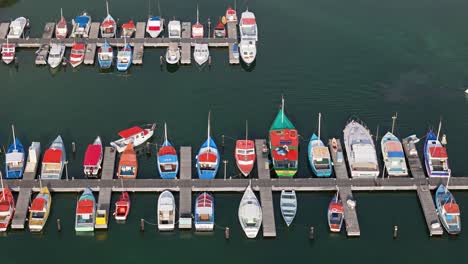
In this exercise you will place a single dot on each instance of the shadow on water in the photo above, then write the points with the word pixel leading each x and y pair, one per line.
pixel 172 67
pixel 7 3
pixel 248 68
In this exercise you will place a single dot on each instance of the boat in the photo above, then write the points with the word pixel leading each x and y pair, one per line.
pixel 54 160
pixel 39 210
pixel 56 55
pixel 201 53
pixel 32 162
pixel 7 207
pixel 435 156
pixel 128 164
pixel 393 156
pixel 77 54
pixel 166 211
pixel 335 214
pixel 154 26
pixel 197 28
pixel 42 53
pixel 8 52
pixel 235 51
pixel 250 213
pixel 231 15
pixel 207 159
pixel 85 212
pixel 219 31
pixel 105 56
pixel 124 58
pixel 248 51
pixel 81 25
pixel 245 154
pixel 319 156
pixel 108 26
pixel 248 26
pixel 61 28
pixel 204 212
pixel 14 159
pixel 173 54
pixel 168 163
pixel 360 150
pixel 448 210
pixel 284 145
pixel 122 207
pixel 93 158
pixel 174 29
pixel 128 29
pixel 17 28
pixel 136 135
pixel 288 205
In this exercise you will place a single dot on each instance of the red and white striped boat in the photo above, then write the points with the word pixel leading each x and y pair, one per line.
pixel 122 207
pixel 7 208
pixel 335 214
pixel 77 54
pixel 245 154
pixel 93 158
pixel 8 52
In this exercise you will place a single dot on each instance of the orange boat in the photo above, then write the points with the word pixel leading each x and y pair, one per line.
pixel 128 164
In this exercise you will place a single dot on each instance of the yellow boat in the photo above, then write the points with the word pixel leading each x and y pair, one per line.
pixel 39 210
pixel 223 20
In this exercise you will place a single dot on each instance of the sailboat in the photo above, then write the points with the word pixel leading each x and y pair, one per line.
pixel 250 213
pixel 39 210
pixel 166 211
pixel 448 209
pixel 168 163
pixel 122 207
pixel 124 58
pixel 288 205
pixel 155 24
pixel 61 28
pixel 204 212
pixel 93 158
pixel 197 28
pixel 284 143
pixel 14 159
pixel 128 164
pixel 335 214
pixel 85 212
pixel 108 26
pixel 7 207
pixel 435 156
pixel 201 53
pixel 245 154
pixel 208 157
pixel 54 160
pixel 105 56
pixel 319 156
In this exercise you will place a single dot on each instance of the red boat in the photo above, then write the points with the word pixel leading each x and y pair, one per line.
pixel 219 31
pixel 245 154
pixel 8 52
pixel 61 29
pixel 122 207
pixel 93 158
pixel 335 214
pixel 231 15
pixel 7 208
pixel 128 29
pixel 77 54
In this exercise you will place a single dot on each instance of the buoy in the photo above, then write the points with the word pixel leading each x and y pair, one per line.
pixel 227 233
pixel 59 226
pixel 142 225
pixel 311 233
pixel 395 231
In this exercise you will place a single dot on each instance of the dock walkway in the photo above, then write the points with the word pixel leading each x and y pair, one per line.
pixel 4 27
pixel 232 34
pixel 185 197
pixel 22 206
pixel 138 48
pixel 105 194
pixel 186 50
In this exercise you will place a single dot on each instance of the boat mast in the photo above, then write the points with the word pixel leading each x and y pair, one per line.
pixel 197 13
pixel 438 131
pixel 393 121
pixel 149 8
pixel 235 5
pixel 319 120
pixel 208 137
pixel 165 133
pixel 14 137
pixel 107 7
pixel 61 13
pixel 282 109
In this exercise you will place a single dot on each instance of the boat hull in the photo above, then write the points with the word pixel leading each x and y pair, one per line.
pixel 319 172
pixel 212 152
pixel 443 196
pixel 204 212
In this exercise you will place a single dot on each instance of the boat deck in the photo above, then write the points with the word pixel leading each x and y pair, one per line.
pixel 232 34
pixel 185 197
pixel 105 194
pixel 186 46
pixel 4 27
pixel 21 211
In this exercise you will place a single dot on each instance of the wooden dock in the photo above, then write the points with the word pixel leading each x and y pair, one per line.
pixel 232 34
pixel 186 46
pixel 185 197
pixel 4 27
pixel 91 47
pixel 49 30
pixel 105 194
pixel 22 206
pixel 138 48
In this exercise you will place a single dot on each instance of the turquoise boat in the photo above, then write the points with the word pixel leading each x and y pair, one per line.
pixel 85 212
pixel 319 156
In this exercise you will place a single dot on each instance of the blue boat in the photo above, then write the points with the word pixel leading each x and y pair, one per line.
pixel 81 26
pixel 208 158
pixel 435 157
pixel 168 163
pixel 448 210
pixel 124 58
pixel 105 56
pixel 204 212
pixel 319 156
pixel 14 159
pixel 235 51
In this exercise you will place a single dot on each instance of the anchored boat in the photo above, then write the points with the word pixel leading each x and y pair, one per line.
pixel 39 210
pixel 85 212
pixel 122 207
pixel 17 28
pixel 219 31
pixel 201 53
pixel 93 158
pixel 61 28
pixel 231 15
pixel 14 159
pixel 81 25
pixel 250 213
pixel 56 55
pixel 204 212
pixel 166 211
pixel 128 164
pixel 393 156
pixel 154 26
pixel 136 135
pixel 319 156
pixel 448 210
pixel 108 26
pixel 105 56
pixel 207 160
pixel 248 26
pixel 435 156
pixel 173 54
pixel 168 163
pixel 124 58
pixel 77 54
pixel 8 52
pixel 335 214
pixel 128 29
pixel 248 51
pixel 245 154
pixel 288 205
pixel 197 28
pixel 284 145
pixel 54 160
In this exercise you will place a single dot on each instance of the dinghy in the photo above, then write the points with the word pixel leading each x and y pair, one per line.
pixel 288 205
pixel 166 211
pixel 122 207
pixel 39 210
pixel 335 214
pixel 93 158
pixel 250 213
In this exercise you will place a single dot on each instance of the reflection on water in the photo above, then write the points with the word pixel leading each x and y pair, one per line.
pixel 7 3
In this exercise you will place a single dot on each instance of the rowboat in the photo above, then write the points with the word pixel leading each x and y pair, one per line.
pixel 39 210
pixel 284 143
pixel 136 135
pixel 77 54
pixel 61 28
pixel 168 163
pixel 85 212
pixel 448 210
pixel 54 160
pixel 393 156
pixel 128 29
pixel 197 28
pixel 93 158
pixel 81 25
pixel 122 207
pixel 124 58
pixel 17 28
pixel 7 208
pixel 154 26
pixel 105 56
pixel 166 211
pixel 32 162
pixel 204 212
pixel 435 156
pixel 288 205
pixel 128 164
pixel 14 159
pixel 108 26
pixel 231 15
pixel 8 52
pixel 245 154
pixel 207 160
pixel 56 55
pixel 201 53
pixel 250 213
pixel 335 214
pixel 319 156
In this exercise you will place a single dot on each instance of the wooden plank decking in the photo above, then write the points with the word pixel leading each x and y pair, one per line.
pixel 21 211
pixel 185 198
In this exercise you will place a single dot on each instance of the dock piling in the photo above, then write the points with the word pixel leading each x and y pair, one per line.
pixel 148 149
pixel 227 233
pixel 395 231
pixel 73 149
pixel 142 225
pixel 311 233
pixel 59 225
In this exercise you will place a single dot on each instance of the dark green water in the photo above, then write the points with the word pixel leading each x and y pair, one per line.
pixel 342 58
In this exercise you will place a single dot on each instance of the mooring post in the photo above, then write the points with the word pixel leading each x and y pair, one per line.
pixel 148 150
pixel 73 149
pixel 225 163
pixel 142 225
pixel 227 233
pixel 395 231
pixel 311 233
pixel 59 226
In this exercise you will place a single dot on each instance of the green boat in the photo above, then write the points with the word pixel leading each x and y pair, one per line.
pixel 284 145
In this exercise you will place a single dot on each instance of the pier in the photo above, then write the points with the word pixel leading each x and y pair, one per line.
pixel 185 198
pixel 105 194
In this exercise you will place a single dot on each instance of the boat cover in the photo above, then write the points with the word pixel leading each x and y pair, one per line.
pixel 364 153
pixel 320 152
pixel 129 25
pixel 207 157
pixel 78 46
pixel 38 204
pixel 395 154
pixel 4 206
pixel 167 150
pixel 108 24
pixel 248 21
pixel 451 208
pixel 14 157
pixel 155 18
pixel 438 152
pixel 52 156
pixel 92 155
pixel 82 21
pixel 393 146
pixel 85 207
pixel 131 132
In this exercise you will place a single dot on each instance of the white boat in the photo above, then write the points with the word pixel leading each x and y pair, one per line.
pixel 108 26
pixel 201 53
pixel 360 149
pixel 81 26
pixel 197 28
pixel 136 135
pixel 166 211
pixel 17 28
pixel 175 29
pixel 56 55
pixel 33 158
pixel 8 52
pixel 154 26
pixel 248 51
pixel 248 26
pixel 173 54
pixel 288 205
pixel 204 212
pixel 250 213
pixel 54 160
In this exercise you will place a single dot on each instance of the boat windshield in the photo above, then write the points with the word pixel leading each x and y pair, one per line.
pixel 285 164
pixel 249 30
pixel 173 33
pixel 322 164
pixel 439 165
pixel 127 170
pixel 336 218
pixel 84 219
pixel 38 215
pixel 15 165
